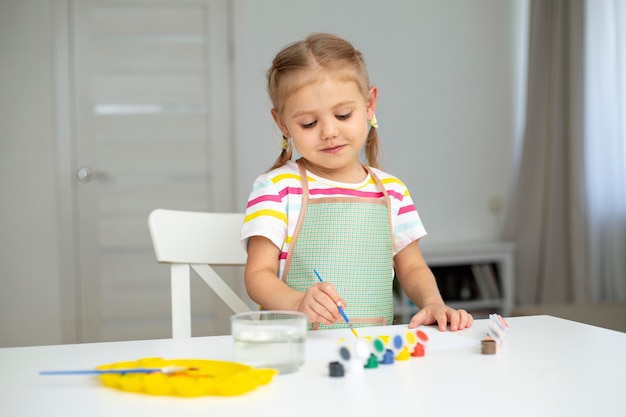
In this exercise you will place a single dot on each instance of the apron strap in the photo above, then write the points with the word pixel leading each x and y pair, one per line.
pixel 305 200
pixel 387 199
pixel 375 321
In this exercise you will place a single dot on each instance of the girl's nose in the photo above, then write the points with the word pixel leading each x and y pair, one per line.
pixel 329 130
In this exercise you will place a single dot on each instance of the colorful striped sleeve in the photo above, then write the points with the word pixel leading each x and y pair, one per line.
pixel 407 225
pixel 266 212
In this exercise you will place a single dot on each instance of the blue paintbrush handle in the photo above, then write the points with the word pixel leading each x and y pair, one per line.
pixel 343 314
pixel 114 371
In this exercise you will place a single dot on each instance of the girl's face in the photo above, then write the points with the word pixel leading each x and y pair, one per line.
pixel 328 124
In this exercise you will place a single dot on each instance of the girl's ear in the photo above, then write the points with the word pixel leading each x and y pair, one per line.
pixel 279 122
pixel 370 104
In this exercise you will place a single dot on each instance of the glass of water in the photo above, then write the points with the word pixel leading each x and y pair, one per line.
pixel 270 339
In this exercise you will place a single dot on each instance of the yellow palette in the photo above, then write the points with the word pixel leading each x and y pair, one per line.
pixel 204 377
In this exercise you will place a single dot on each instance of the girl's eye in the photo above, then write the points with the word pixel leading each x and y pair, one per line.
pixel 343 116
pixel 309 125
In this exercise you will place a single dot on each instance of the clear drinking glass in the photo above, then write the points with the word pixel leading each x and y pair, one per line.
pixel 270 339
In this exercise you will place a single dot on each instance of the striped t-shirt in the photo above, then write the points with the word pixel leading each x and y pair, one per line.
pixel 276 199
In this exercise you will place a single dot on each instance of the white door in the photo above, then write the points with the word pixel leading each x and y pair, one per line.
pixel 151 130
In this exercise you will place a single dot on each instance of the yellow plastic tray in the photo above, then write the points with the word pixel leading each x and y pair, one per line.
pixel 206 378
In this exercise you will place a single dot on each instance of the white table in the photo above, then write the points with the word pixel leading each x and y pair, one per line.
pixel 546 367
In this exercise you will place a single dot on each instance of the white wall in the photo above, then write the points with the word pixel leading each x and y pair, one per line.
pixel 449 75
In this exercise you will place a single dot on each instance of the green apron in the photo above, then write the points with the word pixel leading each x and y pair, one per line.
pixel 348 240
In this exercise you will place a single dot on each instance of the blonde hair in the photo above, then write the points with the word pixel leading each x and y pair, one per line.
pixel 300 63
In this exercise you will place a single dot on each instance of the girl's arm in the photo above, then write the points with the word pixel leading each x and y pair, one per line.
pixel 319 302
pixel 418 282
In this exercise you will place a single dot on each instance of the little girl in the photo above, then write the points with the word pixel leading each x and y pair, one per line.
pixel 327 212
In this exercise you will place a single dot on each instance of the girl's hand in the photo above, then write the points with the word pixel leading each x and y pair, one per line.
pixel 442 315
pixel 320 303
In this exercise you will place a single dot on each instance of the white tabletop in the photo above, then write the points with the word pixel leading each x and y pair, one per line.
pixel 546 367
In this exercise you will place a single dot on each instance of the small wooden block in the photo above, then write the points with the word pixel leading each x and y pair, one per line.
pixel 488 346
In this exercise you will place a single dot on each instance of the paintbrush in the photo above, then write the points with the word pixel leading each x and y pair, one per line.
pixel 343 314
pixel 164 370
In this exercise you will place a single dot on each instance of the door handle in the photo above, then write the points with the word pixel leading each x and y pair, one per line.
pixel 87 174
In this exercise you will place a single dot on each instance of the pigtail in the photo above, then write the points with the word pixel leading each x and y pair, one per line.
pixel 284 157
pixel 372 145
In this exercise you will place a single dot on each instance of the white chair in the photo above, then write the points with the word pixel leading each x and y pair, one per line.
pixel 196 241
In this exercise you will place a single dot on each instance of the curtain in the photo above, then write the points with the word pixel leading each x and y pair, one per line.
pixel 546 201
pixel 569 248
pixel 605 147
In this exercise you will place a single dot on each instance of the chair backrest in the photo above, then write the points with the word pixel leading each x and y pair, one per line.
pixel 195 241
